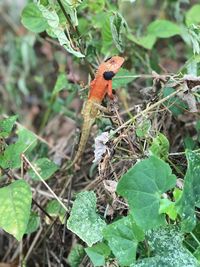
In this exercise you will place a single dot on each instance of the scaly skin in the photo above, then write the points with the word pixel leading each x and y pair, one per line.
pixel 99 87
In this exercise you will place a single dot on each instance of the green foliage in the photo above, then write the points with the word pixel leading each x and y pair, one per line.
pixel 118 28
pixel 54 209
pixel 76 255
pixel 98 254
pixel 192 15
pixel 143 186
pixel 160 146
pixel 143 128
pixel 33 223
pixel 15 205
pixel 174 104
pixel 45 167
pixel 84 221
pixel 123 237
pixel 6 126
pixel 163 29
pixel 168 250
pixel 33 19
pixel 191 192
pixel 122 78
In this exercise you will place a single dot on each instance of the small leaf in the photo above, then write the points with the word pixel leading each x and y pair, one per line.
pixel 61 83
pixel 84 221
pixel 6 126
pixel 33 223
pixel 174 104
pixel 160 146
pixel 15 205
pixel 143 128
pixel 45 167
pixel 54 209
pixel 168 207
pixel 118 27
pixel 146 41
pixel 122 78
pixel 123 236
pixel 32 18
pixel 98 254
pixel 143 186
pixel 192 15
pixel 191 192
pixel 163 28
pixel 76 255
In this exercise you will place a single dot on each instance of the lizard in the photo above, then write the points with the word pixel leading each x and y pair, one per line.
pixel 99 88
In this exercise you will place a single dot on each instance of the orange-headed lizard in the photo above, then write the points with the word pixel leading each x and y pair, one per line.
pixel 99 88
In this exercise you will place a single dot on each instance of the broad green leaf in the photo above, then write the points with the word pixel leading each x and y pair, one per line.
pixel 191 192
pixel 143 128
pixel 33 223
pixel 33 19
pixel 61 83
pixel 146 41
pixel 192 15
pixel 45 167
pixel 160 146
pixel 122 78
pixel 143 186
pixel 15 205
pixel 163 28
pixel 55 209
pixel 166 244
pixel 118 27
pixel 98 254
pixel 76 255
pixel 123 236
pixel 84 221
pixel 174 104
pixel 6 126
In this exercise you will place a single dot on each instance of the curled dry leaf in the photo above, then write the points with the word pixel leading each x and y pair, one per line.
pixel 100 146
pixel 110 186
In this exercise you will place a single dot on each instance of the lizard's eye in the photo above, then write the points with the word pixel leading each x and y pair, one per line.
pixel 107 59
pixel 108 75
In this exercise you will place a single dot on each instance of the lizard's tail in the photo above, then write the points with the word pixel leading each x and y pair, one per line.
pixel 83 141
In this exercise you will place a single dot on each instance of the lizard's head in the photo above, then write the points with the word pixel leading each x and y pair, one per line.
pixel 111 66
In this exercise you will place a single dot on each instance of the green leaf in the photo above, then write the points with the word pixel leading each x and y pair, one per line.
pixel 45 167
pixel 166 243
pixel 55 209
pixel 118 27
pixel 146 41
pixel 52 19
pixel 174 104
pixel 168 207
pixel 191 192
pixel 6 126
pixel 192 15
pixel 61 83
pixel 33 19
pixel 33 223
pixel 163 28
pixel 15 205
pixel 76 255
pixel 122 78
pixel 98 254
pixel 84 221
pixel 123 236
pixel 143 128
pixel 160 146
pixel 143 186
